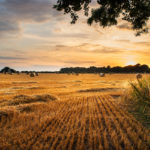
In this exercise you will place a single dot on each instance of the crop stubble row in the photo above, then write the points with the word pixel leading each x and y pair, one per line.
pixel 94 122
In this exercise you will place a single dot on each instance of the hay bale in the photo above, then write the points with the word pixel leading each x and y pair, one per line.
pixel 18 72
pixel 32 74
pixel 36 73
pixel 138 76
pixel 102 74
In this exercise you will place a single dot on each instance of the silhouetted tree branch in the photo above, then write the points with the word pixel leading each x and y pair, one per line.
pixel 136 12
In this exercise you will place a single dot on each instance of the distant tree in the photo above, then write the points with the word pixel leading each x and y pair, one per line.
pixel 136 12
pixel 7 69
pixel 144 68
pixel 108 68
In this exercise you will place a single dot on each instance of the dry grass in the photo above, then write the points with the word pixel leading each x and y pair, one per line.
pixel 65 118
pixel 24 99
pixel 137 99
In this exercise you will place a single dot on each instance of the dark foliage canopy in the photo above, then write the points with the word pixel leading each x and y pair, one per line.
pixel 136 12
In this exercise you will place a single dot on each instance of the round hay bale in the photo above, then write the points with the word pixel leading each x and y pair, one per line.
pixel 32 74
pixel 102 74
pixel 36 74
pixel 18 72
pixel 138 76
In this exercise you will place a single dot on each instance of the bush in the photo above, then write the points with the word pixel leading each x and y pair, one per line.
pixel 137 99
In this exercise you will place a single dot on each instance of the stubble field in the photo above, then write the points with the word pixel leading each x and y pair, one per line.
pixel 61 111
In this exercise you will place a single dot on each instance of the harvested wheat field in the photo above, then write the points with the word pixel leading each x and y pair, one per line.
pixel 61 111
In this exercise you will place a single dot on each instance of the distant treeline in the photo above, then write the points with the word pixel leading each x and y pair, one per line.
pixel 117 69
pixel 39 71
pixel 138 68
pixel 10 70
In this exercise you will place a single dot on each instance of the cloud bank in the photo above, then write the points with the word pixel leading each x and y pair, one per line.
pixel 15 12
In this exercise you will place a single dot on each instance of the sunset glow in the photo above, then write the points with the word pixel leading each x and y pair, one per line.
pixel 130 63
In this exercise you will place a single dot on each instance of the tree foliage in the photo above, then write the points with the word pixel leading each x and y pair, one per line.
pixel 7 69
pixel 136 12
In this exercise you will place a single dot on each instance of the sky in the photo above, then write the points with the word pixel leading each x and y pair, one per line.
pixel 34 36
